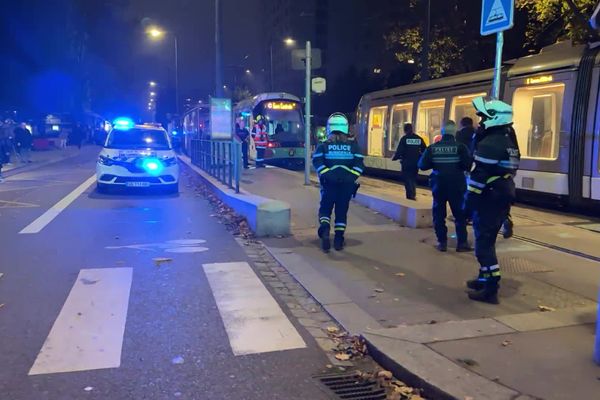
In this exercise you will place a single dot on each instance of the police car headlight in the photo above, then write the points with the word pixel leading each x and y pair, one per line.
pixel 105 161
pixel 170 161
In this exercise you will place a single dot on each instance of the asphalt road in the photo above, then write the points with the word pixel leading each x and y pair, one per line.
pixel 87 313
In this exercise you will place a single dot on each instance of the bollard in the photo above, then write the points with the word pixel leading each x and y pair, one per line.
pixel 597 345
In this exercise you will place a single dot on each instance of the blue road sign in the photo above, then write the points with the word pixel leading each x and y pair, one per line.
pixel 497 16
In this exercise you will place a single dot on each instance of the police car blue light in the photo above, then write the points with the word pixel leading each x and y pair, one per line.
pixel 152 166
pixel 123 123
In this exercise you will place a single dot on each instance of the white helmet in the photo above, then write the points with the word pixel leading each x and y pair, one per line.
pixel 493 112
pixel 337 123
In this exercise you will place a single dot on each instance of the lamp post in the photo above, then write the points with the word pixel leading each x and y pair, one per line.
pixel 289 42
pixel 425 52
pixel 155 33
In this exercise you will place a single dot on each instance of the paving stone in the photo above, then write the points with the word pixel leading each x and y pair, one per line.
pixel 317 332
pixel 326 344
pixel 299 313
pixel 277 284
pixel 309 322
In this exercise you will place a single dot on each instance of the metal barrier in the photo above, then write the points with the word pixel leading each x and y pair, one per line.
pixel 221 159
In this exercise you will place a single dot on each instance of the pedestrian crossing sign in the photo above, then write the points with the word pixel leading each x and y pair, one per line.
pixel 497 16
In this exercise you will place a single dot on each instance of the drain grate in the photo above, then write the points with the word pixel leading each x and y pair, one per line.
pixel 517 265
pixel 352 386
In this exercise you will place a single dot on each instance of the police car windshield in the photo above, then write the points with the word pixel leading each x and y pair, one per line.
pixel 135 138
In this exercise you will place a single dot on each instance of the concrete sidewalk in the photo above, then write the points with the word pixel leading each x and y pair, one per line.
pixel 408 300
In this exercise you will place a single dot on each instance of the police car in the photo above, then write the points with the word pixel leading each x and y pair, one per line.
pixel 137 156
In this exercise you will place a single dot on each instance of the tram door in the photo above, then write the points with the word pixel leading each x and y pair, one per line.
pixel 377 118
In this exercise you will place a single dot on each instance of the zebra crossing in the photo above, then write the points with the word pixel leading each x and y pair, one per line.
pixel 89 331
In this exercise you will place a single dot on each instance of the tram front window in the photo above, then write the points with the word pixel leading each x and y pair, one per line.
pixel 284 125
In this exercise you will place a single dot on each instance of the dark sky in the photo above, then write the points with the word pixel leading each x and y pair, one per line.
pixel 193 23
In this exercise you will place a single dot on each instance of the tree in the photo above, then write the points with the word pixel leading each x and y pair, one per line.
pixel 553 20
pixel 455 44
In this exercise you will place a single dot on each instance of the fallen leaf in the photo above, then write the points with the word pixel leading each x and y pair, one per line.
pixel 396 299
pixel 329 366
pixel 469 398
pixel 432 322
pixel 86 281
pixel 333 329
pixel 177 360
pixel 546 309
pixel 416 397
pixel 400 274
pixel 342 356
pixel 506 343
pixel 385 375
pixel 1 274
pixel 1 305
pixel 88 388
pixel 379 290
pixel 161 260
pixel 468 362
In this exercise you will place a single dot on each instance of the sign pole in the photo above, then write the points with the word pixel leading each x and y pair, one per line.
pixel 307 116
pixel 498 65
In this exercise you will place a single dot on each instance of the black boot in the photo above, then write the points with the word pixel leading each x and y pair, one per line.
pixel 323 233
pixel 463 247
pixel 338 241
pixel 476 284
pixel 443 247
pixel 488 294
pixel 507 228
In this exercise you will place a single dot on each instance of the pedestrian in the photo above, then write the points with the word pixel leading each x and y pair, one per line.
pixel 23 141
pixel 491 191
pixel 449 161
pixel 339 163
pixel 466 132
pixel 409 150
pixel 261 141
pixel 77 135
pixel 243 135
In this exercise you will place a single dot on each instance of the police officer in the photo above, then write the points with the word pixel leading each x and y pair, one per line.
pixel 491 191
pixel 261 141
pixel 339 163
pixel 449 161
pixel 409 151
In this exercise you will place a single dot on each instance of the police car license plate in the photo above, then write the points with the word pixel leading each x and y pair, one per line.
pixel 137 184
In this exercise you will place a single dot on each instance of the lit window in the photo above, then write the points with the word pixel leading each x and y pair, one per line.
pixel 377 117
pixel 401 114
pixel 537 117
pixel 430 119
pixel 462 106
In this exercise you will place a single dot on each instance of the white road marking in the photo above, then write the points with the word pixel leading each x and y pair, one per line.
pixel 180 246
pixel 253 320
pixel 88 333
pixel 40 223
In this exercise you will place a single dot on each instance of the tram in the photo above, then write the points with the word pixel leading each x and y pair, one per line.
pixel 555 96
pixel 282 113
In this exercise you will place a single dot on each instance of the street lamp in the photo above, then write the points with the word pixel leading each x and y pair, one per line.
pixel 156 33
pixel 289 42
pixel 152 84
pixel 152 94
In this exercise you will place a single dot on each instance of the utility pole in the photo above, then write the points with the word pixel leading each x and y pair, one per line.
pixel 425 52
pixel 218 51
pixel 307 115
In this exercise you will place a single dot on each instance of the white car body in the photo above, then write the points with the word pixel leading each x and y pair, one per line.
pixel 137 165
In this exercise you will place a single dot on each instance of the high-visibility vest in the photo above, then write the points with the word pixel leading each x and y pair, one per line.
pixel 261 139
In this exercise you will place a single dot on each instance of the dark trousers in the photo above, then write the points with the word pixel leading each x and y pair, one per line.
pixel 487 222
pixel 453 193
pixel 336 196
pixel 260 157
pixel 245 154
pixel 410 182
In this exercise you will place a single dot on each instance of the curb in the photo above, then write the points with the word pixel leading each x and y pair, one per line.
pixel 33 166
pixel 266 217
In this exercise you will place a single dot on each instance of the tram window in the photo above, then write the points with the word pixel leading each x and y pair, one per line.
pixel 462 106
pixel 377 116
pixel 537 118
pixel 430 118
pixel 401 114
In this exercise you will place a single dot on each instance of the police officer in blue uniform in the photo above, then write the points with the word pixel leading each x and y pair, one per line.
pixel 339 163
pixel 449 160
pixel 409 150
pixel 491 190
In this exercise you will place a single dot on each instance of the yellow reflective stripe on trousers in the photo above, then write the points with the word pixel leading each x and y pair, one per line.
pixel 474 190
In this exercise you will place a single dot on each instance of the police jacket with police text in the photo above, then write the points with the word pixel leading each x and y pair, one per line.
pixel 497 159
pixel 409 151
pixel 448 158
pixel 338 162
